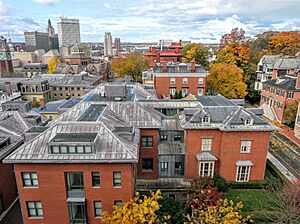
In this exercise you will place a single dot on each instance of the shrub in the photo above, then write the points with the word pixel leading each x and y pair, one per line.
pixel 256 184
pixel 174 208
pixel 220 183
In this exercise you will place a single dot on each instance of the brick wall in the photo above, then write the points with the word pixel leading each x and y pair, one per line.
pixel 53 195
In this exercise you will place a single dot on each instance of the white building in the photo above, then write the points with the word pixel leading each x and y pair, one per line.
pixel 108 48
pixel 68 32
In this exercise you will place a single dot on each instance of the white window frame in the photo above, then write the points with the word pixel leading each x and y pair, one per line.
pixel 206 119
pixel 98 208
pixel 206 144
pixel 201 81
pixel 172 80
pixel 185 81
pixel 246 146
pixel 248 121
pixel 202 168
pixel 242 175
pixel 201 92
pixel 184 92
pixel 172 91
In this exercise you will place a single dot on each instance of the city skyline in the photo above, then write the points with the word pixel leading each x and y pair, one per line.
pixel 148 21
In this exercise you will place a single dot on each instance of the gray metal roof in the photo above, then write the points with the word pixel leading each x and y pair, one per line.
pixel 206 156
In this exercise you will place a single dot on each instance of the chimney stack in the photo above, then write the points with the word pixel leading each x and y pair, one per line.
pixel 282 53
pixel 8 88
pixel 193 66
pixel 153 49
pixel 164 66
pixel 183 60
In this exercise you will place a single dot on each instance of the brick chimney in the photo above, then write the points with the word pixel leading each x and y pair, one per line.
pixel 153 49
pixel 183 60
pixel 164 66
pixel 8 87
pixel 282 53
pixel 193 66
pixel 298 80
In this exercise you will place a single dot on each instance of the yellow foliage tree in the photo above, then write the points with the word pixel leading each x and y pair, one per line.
pixel 227 80
pixel 132 66
pixel 52 63
pixel 135 211
pixel 224 213
pixel 288 42
pixel 196 52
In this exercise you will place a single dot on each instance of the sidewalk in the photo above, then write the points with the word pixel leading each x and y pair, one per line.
pixel 288 132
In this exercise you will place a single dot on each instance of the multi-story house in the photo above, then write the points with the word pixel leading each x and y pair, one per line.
pixel 189 78
pixel 32 89
pixel 120 139
pixel 272 66
pixel 276 93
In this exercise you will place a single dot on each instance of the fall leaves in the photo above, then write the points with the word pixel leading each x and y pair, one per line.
pixel 287 42
pixel 52 63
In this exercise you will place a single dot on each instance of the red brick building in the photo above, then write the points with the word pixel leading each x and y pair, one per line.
pixel 172 54
pixel 120 139
pixel 187 78
pixel 279 91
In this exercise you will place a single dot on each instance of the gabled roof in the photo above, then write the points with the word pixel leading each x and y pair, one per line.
pixel 283 82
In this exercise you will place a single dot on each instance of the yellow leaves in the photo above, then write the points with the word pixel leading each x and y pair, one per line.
pixel 227 80
pixel 287 42
pixel 136 211
pixel 52 63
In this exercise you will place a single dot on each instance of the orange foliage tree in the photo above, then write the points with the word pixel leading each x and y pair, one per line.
pixel 288 42
pixel 227 80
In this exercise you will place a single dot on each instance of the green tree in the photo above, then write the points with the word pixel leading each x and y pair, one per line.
pixel 196 52
pixel 227 80
pixel 133 66
pixel 290 113
pixel 174 208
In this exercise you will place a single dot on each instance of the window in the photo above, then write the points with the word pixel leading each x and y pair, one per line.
pixel 71 149
pixel 184 92
pixel 78 88
pixel 34 209
pixel 95 179
pixel 163 137
pixel 206 169
pixel 147 141
pixel 74 181
pixel 177 137
pixel 164 166
pixel 30 179
pixel 249 121
pixel 185 81
pixel 200 81
pixel 200 92
pixel 147 164
pixel 206 144
pixel 66 88
pixel 242 173
pixel 117 179
pixel 98 208
pixel 206 119
pixel 77 212
pixel 172 91
pixel 172 80
pixel 245 146
pixel 118 203
pixel 290 95
pixel 54 88
pixel 60 88
pixel 61 94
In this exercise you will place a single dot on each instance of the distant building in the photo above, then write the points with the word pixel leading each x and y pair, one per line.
pixel 78 56
pixel 68 32
pixel 6 66
pixel 117 45
pixel 32 69
pixel 189 78
pixel 108 48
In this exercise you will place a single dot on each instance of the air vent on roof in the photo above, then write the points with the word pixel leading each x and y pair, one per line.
pixel 118 99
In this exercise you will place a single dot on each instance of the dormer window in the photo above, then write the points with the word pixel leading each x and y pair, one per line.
pixel 248 121
pixel 206 119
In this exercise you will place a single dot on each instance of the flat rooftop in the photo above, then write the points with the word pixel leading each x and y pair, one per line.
pixel 74 137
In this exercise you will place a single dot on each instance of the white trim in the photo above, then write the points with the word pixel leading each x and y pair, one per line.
pixel 248 170
pixel 180 75
pixel 211 168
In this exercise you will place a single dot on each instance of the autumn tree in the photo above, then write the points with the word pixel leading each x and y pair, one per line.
pixel 287 42
pixel 235 36
pixel 290 113
pixel 224 213
pixel 136 211
pixel 132 66
pixel 196 52
pixel 227 80
pixel 52 63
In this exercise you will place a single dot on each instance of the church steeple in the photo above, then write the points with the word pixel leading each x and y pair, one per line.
pixel 50 29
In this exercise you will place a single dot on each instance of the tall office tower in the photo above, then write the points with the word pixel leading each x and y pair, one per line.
pixel 6 67
pixel 68 32
pixel 108 50
pixel 117 44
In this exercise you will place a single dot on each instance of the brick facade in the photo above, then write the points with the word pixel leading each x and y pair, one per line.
pixel 53 194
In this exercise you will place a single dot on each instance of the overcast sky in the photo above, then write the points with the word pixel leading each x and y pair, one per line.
pixel 150 20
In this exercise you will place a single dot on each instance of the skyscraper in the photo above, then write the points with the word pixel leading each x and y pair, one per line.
pixel 108 50
pixel 117 44
pixel 68 32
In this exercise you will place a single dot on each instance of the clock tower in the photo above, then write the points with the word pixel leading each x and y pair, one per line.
pixel 6 68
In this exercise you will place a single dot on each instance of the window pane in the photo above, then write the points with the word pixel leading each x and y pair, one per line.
pixel 80 149
pixel 63 149
pixel 72 149
pixel 88 149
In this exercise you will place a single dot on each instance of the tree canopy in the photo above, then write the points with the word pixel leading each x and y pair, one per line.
pixel 227 80
pixel 196 52
pixel 132 66
pixel 290 113
pixel 52 63
pixel 287 42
